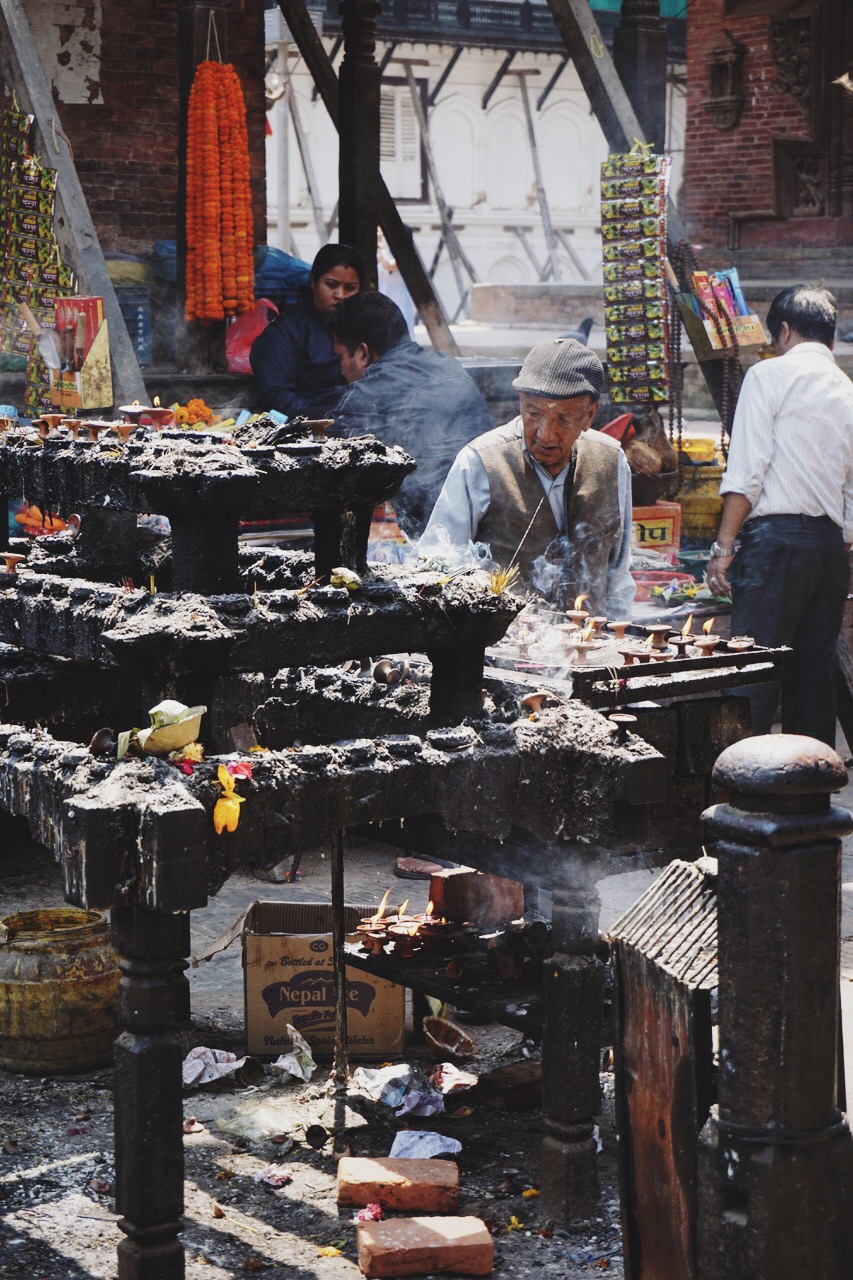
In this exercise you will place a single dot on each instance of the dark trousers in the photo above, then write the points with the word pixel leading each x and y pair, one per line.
pixel 790 580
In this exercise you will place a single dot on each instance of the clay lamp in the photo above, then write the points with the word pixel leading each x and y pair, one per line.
pixel 533 703
pixel 596 623
pixel 657 633
pixel 619 629
pixel 47 423
pixel 406 939
pixel 391 671
pixel 133 412
pixel 72 426
pixel 623 722
pixel 95 427
pixel 579 614
pixel 5 424
pixel 159 416
pixel 707 643
pixel 583 648
pixel 124 430
pixel 436 933
pixel 665 654
pixel 684 639
pixel 629 655
pixel 373 930
pixel 318 426
pixel 643 652
pixel 12 561
pixel 740 644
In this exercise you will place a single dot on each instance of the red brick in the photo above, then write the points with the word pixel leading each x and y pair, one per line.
pixel 463 894
pixel 431 1186
pixel 420 1246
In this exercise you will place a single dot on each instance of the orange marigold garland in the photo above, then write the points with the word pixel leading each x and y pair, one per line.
pixel 220 269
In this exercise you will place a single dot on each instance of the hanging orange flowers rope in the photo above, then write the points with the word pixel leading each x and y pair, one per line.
pixel 220 270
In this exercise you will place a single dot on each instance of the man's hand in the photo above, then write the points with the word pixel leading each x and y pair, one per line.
pixel 716 575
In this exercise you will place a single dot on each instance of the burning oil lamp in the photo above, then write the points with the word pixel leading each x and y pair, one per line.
pixel 706 643
pixel 596 623
pixel 618 629
pixel 156 415
pixel 373 930
pixel 740 644
pixel 406 939
pixel 578 615
pixel 682 642
pixel 657 633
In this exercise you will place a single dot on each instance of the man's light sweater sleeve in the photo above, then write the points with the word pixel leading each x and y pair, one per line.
pixel 462 503
pixel 752 438
pixel 620 584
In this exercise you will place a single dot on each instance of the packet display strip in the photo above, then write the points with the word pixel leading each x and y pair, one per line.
pixel 636 314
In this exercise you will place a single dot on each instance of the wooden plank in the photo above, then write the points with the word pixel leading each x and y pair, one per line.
pixel 75 231
pixel 397 234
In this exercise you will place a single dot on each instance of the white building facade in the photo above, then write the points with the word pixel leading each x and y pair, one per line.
pixel 479 139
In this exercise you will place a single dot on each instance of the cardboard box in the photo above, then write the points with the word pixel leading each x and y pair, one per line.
pixel 657 528
pixel 705 339
pixel 85 381
pixel 288 977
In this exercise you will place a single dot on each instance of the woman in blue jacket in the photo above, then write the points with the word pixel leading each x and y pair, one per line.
pixel 293 362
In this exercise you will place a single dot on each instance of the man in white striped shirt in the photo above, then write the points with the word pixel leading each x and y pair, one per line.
pixel 788 493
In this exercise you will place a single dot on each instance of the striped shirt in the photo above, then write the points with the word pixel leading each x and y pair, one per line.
pixel 792 438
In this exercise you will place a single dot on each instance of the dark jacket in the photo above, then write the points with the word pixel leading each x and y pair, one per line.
pixel 294 364
pixel 424 402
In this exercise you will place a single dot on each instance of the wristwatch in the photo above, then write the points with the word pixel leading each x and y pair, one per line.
pixel 720 552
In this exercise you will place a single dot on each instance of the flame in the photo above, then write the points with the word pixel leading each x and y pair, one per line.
pixel 580 601
pixel 687 629
pixel 707 627
pixel 650 642
pixel 401 910
pixel 414 929
pixel 156 402
pixel 430 908
pixel 381 909
pixel 586 634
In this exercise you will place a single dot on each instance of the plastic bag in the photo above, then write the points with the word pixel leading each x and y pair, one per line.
pixel 242 333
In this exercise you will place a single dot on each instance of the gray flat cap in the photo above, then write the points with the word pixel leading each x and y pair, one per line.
pixel 561 368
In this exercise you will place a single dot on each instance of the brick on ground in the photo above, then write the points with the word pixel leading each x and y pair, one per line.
pixel 423 1246
pixel 431 1186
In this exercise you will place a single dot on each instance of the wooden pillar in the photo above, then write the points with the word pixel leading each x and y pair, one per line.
pixel 154 1002
pixel 639 56
pixel 358 127
pixel 202 36
pixel 776 1156
pixel 574 991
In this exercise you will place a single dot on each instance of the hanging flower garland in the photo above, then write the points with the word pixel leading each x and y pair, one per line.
pixel 220 269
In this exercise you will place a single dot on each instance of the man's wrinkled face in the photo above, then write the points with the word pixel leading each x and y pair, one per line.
pixel 353 364
pixel 551 427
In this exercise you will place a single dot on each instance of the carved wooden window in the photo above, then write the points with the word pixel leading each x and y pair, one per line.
pixel 801 179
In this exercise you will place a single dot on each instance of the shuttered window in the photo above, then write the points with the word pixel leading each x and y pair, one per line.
pixel 401 157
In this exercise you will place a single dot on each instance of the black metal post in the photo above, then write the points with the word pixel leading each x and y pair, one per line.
pixel 776 1156
pixel 154 1000
pixel 639 56
pixel 358 126
pixel 574 990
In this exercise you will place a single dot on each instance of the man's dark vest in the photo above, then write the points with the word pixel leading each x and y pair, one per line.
pixel 594 524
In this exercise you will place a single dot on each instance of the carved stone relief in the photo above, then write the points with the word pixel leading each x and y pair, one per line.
pixel 791 49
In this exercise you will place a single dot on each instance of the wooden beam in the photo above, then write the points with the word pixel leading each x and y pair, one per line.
pixel 544 211
pixel 397 234
pixel 499 75
pixel 544 95
pixel 442 79
pixel 24 75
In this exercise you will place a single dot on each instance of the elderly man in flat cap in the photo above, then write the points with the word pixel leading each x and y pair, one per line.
pixel 543 491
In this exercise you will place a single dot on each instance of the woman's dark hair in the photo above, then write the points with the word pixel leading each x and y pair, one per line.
pixel 337 255
pixel 810 312
pixel 370 318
